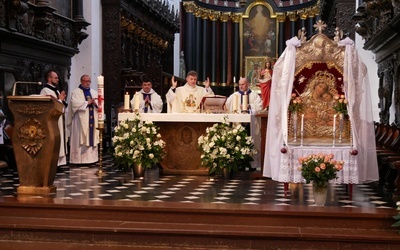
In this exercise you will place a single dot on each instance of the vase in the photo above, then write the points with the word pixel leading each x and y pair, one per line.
pixel 341 121
pixel 226 173
pixel 294 119
pixel 138 171
pixel 320 193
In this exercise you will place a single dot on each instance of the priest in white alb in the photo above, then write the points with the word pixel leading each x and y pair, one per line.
pixel 82 122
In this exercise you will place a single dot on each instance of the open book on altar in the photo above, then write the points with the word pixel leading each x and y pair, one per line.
pixel 213 104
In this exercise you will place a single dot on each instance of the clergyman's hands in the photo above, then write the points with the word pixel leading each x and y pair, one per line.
pixel 91 101
pixel 173 82
pixel 62 96
pixel 207 82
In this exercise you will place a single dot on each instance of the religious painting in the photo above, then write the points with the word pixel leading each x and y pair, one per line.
pixel 253 66
pixel 318 87
pixel 259 31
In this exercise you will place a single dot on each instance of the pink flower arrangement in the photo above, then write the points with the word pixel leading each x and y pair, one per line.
pixel 319 168
pixel 341 104
pixel 295 104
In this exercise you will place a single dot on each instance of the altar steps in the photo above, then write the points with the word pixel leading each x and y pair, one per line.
pixel 73 224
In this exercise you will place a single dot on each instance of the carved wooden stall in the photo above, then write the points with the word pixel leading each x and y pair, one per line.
pixel 138 41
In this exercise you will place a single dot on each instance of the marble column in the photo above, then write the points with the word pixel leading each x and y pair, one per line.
pixel 224 48
pixel 189 35
pixel 198 48
pixel 293 21
pixel 303 19
pixel 281 17
pixel 77 10
pixel 236 18
pixel 213 60
pixel 311 22
pixel 205 58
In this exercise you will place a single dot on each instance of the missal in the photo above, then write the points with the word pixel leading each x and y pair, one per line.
pixel 214 104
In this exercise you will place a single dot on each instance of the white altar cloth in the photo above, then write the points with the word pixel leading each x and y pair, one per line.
pixel 290 163
pixel 187 117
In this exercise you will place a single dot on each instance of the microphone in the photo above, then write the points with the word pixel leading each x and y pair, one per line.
pixel 16 83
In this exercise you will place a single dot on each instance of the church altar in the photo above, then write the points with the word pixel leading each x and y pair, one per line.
pixel 180 131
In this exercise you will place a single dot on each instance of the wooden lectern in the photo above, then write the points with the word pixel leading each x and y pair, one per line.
pixel 36 142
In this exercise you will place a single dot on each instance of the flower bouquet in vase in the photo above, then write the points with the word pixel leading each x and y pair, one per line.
pixel 225 148
pixel 295 106
pixel 341 108
pixel 137 145
pixel 319 169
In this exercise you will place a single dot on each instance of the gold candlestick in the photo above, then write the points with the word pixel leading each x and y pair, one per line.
pixel 100 172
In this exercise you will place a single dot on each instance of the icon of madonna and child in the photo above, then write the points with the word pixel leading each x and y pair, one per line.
pixel 318 104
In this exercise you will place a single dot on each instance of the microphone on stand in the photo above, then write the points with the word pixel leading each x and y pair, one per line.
pixel 17 83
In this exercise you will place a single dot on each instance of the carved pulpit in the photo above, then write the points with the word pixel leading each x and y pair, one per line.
pixel 36 142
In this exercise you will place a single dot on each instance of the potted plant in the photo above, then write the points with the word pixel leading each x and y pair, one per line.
pixel 226 147
pixel 319 169
pixel 137 144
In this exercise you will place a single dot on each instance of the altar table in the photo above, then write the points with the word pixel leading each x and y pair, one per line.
pixel 181 131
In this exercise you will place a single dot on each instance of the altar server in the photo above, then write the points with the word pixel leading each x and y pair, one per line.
pixel 187 98
pixel 50 89
pixel 149 101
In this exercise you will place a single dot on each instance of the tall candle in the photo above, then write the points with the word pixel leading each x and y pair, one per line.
pixel 234 80
pixel 235 102
pixel 302 123
pixel 334 125
pixel 100 98
pixel 126 101
pixel 136 101
pixel 245 102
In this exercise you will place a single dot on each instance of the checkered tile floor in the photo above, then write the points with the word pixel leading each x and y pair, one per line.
pixel 81 182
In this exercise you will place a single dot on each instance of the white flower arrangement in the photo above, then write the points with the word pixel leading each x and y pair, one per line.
pixel 137 142
pixel 225 145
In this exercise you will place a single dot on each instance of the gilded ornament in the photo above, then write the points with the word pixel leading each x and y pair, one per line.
pixel 31 135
